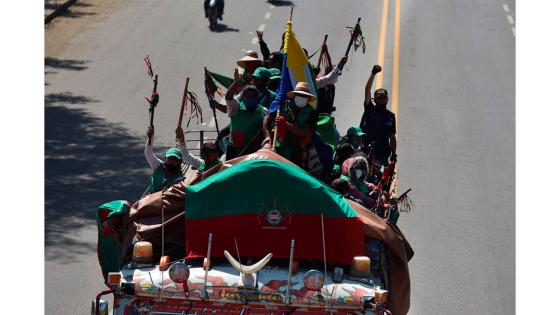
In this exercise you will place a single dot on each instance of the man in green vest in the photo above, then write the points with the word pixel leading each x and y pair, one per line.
pixel 165 173
pixel 296 123
pixel 246 120
pixel 208 153
pixel 260 78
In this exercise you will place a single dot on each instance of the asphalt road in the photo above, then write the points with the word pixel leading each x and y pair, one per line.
pixel 456 78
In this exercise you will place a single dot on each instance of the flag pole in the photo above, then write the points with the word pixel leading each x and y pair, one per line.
pixel 210 99
pixel 183 103
pixel 278 110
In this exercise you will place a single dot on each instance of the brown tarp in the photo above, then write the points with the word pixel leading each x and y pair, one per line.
pixel 144 223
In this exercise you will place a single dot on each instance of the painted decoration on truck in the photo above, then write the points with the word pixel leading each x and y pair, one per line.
pixel 222 287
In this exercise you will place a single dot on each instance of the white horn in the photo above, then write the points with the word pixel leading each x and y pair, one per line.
pixel 247 269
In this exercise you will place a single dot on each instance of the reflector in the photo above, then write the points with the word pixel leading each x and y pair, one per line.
pixel 381 296
pixel 114 278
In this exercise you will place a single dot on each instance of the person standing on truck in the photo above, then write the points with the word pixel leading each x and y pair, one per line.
pixel 354 137
pixel 208 153
pixel 379 123
pixel 296 123
pixel 165 173
pixel 246 119
pixel 260 78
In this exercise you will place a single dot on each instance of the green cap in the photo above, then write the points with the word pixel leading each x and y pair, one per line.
pixel 174 152
pixel 355 130
pixel 274 73
pixel 261 73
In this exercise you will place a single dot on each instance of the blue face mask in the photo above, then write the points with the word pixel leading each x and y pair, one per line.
pixel 251 103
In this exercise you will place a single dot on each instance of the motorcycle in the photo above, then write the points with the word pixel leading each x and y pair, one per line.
pixel 214 10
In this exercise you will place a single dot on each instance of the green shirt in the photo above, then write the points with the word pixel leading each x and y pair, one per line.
pixel 158 181
pixel 245 124
pixel 300 117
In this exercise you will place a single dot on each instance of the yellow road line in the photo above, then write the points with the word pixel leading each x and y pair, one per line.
pixel 382 36
pixel 395 93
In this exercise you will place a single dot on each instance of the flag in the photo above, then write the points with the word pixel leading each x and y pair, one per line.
pixel 295 68
pixel 210 84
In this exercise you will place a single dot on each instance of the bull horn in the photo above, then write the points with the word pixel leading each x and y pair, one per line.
pixel 247 269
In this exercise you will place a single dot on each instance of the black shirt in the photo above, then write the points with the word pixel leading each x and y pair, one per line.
pixel 379 124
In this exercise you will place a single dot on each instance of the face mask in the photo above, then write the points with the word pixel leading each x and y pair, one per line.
pixel 300 101
pixel 358 174
pixel 252 102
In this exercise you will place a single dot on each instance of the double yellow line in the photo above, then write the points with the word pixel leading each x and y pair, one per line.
pixel 381 58
pixel 396 47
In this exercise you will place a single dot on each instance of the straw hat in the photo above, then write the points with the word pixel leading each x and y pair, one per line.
pixel 302 89
pixel 250 56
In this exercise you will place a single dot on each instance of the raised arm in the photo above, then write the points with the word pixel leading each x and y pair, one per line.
pixel 231 103
pixel 151 158
pixel 188 157
pixel 376 69
pixel 264 48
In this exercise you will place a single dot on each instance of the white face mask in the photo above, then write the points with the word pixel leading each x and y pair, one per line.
pixel 300 101
pixel 358 174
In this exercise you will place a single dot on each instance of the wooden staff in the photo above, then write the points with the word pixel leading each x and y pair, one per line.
pixel 183 103
pixel 154 99
pixel 355 33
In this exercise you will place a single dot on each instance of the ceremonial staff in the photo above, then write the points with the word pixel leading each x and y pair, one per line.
pixel 154 98
pixel 357 39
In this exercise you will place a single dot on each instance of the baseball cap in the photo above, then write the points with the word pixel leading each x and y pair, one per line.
pixel 261 73
pixel 174 152
pixel 380 92
pixel 274 73
pixel 355 130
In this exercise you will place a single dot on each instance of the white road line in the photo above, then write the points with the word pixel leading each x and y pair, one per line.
pixel 261 27
pixel 510 19
pixel 272 6
pixel 204 124
pixel 212 123
pixel 254 41
pixel 513 30
pixel 506 8
pixel 267 15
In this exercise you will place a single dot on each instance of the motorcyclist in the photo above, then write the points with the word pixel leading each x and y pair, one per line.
pixel 219 5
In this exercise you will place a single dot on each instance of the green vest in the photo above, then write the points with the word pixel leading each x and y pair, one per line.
pixel 203 167
pixel 158 181
pixel 285 147
pixel 245 124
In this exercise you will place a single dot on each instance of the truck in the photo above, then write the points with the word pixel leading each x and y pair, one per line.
pixel 253 235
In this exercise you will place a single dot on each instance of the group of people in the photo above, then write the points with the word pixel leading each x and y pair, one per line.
pixel 295 129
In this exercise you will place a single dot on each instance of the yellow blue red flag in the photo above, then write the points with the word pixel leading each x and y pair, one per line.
pixel 296 68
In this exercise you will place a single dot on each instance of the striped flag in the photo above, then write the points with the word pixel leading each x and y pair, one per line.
pixel 295 68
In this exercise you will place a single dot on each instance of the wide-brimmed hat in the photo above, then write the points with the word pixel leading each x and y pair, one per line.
pixel 250 56
pixel 302 89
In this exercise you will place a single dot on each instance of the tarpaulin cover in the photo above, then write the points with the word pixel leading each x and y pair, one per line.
pixel 270 204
